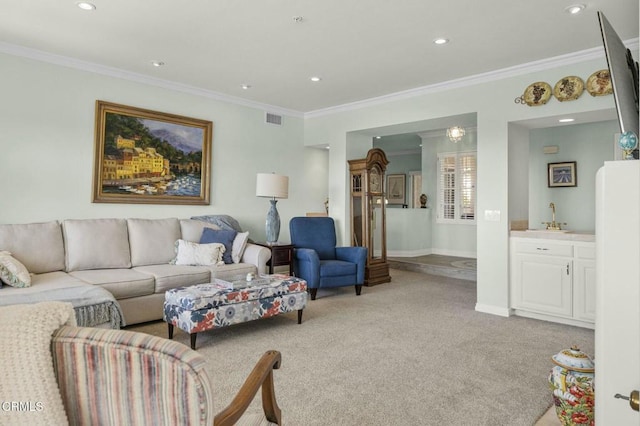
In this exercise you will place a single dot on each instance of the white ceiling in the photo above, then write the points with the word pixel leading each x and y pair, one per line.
pixel 362 49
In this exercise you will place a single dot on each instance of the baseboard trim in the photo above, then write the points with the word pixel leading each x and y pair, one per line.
pixel 552 318
pixel 408 253
pixel 493 310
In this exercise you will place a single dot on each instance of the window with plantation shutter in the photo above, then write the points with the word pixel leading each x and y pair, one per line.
pixel 457 187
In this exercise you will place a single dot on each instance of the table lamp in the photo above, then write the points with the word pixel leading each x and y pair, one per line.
pixel 271 185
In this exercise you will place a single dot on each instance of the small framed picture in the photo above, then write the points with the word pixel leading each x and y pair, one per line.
pixel 396 188
pixel 562 174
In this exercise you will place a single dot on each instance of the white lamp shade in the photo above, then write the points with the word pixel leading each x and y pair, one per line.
pixel 272 185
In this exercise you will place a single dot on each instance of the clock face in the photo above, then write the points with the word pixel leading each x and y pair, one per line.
pixel 374 181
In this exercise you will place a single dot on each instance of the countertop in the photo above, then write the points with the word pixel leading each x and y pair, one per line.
pixel 555 235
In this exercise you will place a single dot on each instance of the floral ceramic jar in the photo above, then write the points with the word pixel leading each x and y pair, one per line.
pixel 571 381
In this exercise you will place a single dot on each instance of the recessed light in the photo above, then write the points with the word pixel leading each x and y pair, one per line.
pixel 566 120
pixel 441 40
pixel 245 86
pixel 85 6
pixel 315 79
pixel 157 63
pixel 378 137
pixel 298 19
pixel 575 8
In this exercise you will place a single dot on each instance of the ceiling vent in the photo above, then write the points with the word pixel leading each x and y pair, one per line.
pixel 271 118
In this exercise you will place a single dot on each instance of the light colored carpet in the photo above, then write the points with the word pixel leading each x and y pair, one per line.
pixel 410 352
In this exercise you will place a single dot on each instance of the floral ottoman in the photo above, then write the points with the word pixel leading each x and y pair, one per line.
pixel 205 307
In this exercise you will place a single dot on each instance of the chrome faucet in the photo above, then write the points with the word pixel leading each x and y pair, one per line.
pixel 553 225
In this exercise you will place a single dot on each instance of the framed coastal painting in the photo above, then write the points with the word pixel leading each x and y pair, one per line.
pixel 562 174
pixel 150 157
pixel 396 189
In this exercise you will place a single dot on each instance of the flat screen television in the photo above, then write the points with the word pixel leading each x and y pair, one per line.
pixel 624 77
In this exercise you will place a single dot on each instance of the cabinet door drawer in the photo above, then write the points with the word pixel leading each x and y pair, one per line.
pixel 281 257
pixel 545 248
pixel 586 252
pixel 543 284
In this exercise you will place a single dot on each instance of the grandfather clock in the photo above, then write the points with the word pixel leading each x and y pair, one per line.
pixel 368 213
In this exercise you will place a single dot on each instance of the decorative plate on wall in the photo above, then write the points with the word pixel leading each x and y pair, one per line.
pixel 599 83
pixel 537 93
pixel 568 88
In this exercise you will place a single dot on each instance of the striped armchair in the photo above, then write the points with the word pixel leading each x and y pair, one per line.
pixel 118 377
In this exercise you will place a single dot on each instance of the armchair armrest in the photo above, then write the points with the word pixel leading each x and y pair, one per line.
pixel 357 255
pixel 306 265
pixel 261 376
pixel 352 254
pixel 306 255
pixel 256 255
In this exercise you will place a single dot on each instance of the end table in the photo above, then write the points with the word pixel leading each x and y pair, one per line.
pixel 281 254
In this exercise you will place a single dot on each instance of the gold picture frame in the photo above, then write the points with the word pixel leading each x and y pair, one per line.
pixel 150 157
pixel 560 175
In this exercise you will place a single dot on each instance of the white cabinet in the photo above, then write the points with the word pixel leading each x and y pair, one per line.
pixel 584 283
pixel 553 280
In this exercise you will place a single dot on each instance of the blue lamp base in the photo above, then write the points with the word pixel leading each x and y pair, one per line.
pixel 273 223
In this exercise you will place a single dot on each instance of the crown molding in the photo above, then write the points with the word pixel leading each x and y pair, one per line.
pixel 68 62
pixel 541 65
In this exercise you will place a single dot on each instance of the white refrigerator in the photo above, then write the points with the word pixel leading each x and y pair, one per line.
pixel 617 335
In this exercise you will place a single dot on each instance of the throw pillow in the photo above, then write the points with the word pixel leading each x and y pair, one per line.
pixel 189 253
pixel 12 272
pixel 225 237
pixel 239 244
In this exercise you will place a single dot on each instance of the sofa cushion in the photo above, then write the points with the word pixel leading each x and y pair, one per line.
pixel 53 281
pixel 151 240
pixel 96 244
pixel 225 237
pixel 44 287
pixel 172 276
pixel 334 268
pixel 38 246
pixel 12 272
pixel 122 283
pixel 192 229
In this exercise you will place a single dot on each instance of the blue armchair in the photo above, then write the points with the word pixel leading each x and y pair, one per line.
pixel 318 261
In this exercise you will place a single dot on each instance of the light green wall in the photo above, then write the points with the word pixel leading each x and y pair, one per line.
pixel 409 232
pixel 47 149
pixel 589 145
pixel 518 173
pixel 403 164
pixel 493 102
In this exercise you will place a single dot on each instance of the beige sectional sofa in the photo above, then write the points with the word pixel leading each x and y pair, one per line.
pixel 128 257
